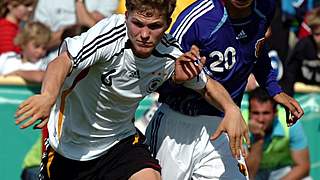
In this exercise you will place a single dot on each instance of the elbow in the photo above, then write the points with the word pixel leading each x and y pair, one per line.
pixel 307 169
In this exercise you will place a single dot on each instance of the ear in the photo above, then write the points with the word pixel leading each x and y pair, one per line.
pixel 126 14
pixel 168 23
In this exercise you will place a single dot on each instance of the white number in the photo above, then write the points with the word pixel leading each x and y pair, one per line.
pixel 223 58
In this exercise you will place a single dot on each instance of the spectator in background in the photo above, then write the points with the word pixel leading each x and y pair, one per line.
pixel 12 13
pixel 303 64
pixel 66 17
pixel 277 151
pixel 32 39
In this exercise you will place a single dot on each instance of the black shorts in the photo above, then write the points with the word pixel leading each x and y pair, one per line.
pixel 124 159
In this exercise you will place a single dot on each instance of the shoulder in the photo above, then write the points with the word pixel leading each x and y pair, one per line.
pixel 298 139
pixel 297 129
pixel 7 24
pixel 114 20
pixel 12 56
pixel 200 13
pixel 168 47
pixel 108 29
pixel 306 43
pixel 265 8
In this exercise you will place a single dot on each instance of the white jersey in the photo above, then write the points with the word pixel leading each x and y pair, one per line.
pixel 98 100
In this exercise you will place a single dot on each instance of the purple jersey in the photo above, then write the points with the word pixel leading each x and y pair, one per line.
pixel 230 47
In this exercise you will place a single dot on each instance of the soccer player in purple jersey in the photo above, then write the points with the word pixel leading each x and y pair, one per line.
pixel 231 35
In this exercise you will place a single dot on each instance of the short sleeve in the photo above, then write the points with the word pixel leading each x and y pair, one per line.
pixel 298 139
pixel 95 45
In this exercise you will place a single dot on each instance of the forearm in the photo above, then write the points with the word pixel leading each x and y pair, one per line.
pixel 85 18
pixel 254 158
pixel 55 75
pixel 218 96
pixel 297 172
pixel 266 76
pixel 31 76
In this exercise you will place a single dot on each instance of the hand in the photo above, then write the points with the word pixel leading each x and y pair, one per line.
pixel 187 65
pixel 290 104
pixel 236 128
pixel 256 129
pixel 36 107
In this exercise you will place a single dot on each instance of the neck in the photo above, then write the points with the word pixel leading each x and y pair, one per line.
pixel 237 13
pixel 12 19
pixel 24 58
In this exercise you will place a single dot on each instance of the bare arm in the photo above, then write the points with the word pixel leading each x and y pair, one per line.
pixel 256 150
pixel 86 18
pixel 30 76
pixel 301 165
pixel 254 157
pixel 39 106
pixel 233 123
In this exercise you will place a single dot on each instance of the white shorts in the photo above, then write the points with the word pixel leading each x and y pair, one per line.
pixel 182 145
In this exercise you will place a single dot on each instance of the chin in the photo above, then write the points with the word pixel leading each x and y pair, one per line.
pixel 144 52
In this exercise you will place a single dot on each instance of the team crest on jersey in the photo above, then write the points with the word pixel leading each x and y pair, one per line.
pixel 106 77
pixel 259 46
pixel 153 84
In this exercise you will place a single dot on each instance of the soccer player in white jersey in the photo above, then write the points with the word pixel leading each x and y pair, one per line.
pixel 93 89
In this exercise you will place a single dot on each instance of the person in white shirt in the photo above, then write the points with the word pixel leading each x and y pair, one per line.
pixel 65 16
pixel 93 89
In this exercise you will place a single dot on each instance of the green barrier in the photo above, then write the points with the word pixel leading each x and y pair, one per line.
pixel 310 103
pixel 15 142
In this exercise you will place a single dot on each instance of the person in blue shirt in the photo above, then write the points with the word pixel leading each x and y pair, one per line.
pixel 277 151
pixel 231 35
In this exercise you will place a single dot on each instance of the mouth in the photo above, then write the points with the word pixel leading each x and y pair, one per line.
pixel 242 3
pixel 144 44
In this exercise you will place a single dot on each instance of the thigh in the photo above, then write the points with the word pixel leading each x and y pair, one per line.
pixel 173 138
pixel 146 173
pixel 218 163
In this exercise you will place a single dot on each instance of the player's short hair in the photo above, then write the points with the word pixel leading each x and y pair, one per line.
pixel 147 7
pixel 261 95
pixel 33 31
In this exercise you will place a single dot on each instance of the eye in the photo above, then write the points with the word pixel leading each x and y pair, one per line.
pixel 155 26
pixel 28 4
pixel 138 24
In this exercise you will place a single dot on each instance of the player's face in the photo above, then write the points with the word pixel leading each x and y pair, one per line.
pixel 263 113
pixel 33 52
pixel 145 31
pixel 241 4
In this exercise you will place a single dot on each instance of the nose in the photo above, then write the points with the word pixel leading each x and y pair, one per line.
pixel 30 9
pixel 41 51
pixel 145 33
pixel 259 118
